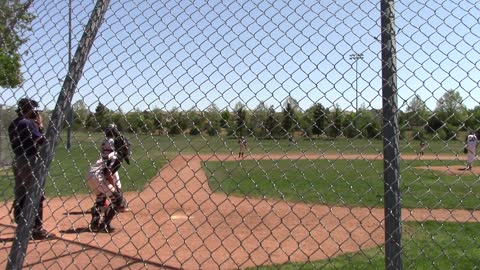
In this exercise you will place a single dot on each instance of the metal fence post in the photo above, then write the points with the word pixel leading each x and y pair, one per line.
pixel 391 151
pixel 1 134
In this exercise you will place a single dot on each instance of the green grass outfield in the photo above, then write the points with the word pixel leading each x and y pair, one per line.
pixel 151 153
pixel 343 182
pixel 69 167
pixel 429 245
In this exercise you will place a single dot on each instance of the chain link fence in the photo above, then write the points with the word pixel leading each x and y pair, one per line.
pixel 263 134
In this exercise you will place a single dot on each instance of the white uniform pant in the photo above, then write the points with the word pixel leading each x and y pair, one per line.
pixel 97 183
pixel 470 156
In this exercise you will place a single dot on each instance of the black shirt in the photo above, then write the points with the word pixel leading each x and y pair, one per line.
pixel 23 134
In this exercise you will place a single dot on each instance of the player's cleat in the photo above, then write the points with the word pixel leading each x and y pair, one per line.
pixel 105 228
pixel 123 209
pixel 41 234
pixel 93 227
pixel 123 205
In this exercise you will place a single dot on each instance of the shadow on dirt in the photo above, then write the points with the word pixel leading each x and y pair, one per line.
pixel 75 230
pixel 76 213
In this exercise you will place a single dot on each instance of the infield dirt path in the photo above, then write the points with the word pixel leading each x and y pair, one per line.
pixel 176 222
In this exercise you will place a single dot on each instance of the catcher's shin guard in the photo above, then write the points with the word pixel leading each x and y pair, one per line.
pixel 95 218
pixel 96 212
pixel 113 208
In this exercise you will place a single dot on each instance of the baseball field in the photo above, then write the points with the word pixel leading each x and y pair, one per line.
pixel 317 204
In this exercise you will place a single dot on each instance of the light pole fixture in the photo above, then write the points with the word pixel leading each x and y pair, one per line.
pixel 355 57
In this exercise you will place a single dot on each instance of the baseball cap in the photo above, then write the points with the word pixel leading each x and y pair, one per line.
pixel 25 104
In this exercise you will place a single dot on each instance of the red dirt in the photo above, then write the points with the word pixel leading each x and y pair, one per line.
pixel 178 223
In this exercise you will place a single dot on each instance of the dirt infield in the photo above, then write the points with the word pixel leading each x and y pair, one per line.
pixel 176 222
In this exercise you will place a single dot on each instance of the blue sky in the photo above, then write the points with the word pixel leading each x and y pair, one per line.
pixel 191 54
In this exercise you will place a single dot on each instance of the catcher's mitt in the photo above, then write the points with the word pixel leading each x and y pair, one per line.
pixel 465 150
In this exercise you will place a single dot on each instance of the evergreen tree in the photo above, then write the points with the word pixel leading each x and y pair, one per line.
pixel 271 122
pixel 225 119
pixel 241 115
pixel 288 118
pixel 319 118
pixel 335 128
pixel 101 115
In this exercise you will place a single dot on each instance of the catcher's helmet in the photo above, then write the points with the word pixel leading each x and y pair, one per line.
pixel 112 131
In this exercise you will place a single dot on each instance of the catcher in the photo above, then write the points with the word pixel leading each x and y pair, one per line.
pixel 115 143
pixel 101 181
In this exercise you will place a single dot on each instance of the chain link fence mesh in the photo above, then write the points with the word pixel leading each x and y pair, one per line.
pixel 301 83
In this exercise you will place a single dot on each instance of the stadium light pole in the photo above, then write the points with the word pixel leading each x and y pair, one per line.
pixel 355 57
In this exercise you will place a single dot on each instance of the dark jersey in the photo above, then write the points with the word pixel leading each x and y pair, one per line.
pixel 23 134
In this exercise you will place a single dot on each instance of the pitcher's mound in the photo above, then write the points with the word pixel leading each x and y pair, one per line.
pixel 451 170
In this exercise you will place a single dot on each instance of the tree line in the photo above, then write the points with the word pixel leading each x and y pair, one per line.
pixel 267 122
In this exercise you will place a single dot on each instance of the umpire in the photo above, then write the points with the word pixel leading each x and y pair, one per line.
pixel 25 138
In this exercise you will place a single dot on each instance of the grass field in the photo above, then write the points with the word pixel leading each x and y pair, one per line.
pixel 150 153
pixel 429 245
pixel 343 182
pixel 69 167
pixel 334 182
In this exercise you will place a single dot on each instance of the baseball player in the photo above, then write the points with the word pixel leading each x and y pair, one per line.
pixel 423 144
pixel 471 144
pixel 108 147
pixel 104 181
pixel 98 183
pixel 242 142
pixel 113 165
